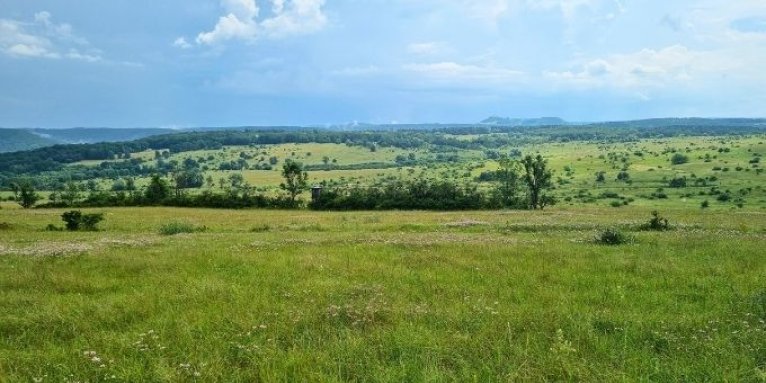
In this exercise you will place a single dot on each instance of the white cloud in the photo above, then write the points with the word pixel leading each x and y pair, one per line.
pixel 229 27
pixel 181 43
pixel 449 71
pixel 42 38
pixel 297 18
pixel 647 68
pixel 289 18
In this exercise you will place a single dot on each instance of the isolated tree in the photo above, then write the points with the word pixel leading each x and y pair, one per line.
pixel 26 195
pixel 71 193
pixel 538 177
pixel 158 190
pixel 509 180
pixel 296 180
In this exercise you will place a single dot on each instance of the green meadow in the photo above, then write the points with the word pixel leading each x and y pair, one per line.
pixel 259 295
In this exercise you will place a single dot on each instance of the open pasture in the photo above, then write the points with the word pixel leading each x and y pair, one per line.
pixel 383 296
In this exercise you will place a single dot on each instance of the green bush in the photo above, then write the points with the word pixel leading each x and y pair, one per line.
pixel 679 159
pixel 612 236
pixel 74 220
pixel 173 228
pixel 656 223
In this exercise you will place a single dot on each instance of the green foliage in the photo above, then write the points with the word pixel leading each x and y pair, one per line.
pixel 537 177
pixel 75 221
pixel 510 180
pixel 656 223
pixel 418 194
pixel 677 182
pixel 612 237
pixel 296 180
pixel 157 191
pixel 175 227
pixel 24 193
pixel 679 159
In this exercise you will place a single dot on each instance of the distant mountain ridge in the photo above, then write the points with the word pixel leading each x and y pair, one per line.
pixel 15 140
pixel 505 121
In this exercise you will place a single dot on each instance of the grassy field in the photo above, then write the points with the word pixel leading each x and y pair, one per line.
pixel 383 296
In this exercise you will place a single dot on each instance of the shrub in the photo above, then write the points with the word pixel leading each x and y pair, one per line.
pixel 173 228
pixel 5 226
pixel 612 237
pixel 679 159
pixel 52 227
pixel 678 182
pixel 705 204
pixel 74 220
pixel 89 221
pixel 656 223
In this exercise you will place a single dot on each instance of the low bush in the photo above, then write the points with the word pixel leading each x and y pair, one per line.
pixel 612 236
pixel 5 226
pixel 173 228
pixel 656 223
pixel 75 221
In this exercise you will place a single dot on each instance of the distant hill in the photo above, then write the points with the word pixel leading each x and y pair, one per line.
pixel 12 140
pixel 93 135
pixel 505 121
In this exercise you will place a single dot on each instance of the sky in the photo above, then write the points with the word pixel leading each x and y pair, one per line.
pixel 187 63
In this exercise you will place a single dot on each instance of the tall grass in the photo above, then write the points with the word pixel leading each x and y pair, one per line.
pixel 374 300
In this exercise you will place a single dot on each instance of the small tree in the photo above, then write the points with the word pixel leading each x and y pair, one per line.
pixel 158 190
pixel 71 194
pixel 509 180
pixel 538 177
pixel 26 196
pixel 296 180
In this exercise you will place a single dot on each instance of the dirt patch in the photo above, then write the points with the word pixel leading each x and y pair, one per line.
pixel 64 248
pixel 466 223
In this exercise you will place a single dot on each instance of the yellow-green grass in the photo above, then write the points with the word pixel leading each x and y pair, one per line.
pixel 383 296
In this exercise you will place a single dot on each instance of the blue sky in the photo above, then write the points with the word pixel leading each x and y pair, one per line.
pixel 179 63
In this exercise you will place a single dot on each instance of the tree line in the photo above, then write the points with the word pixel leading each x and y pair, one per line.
pixel 519 184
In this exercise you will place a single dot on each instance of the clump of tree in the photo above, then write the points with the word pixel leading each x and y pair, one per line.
pixel 420 194
pixel 75 220
pixel 24 193
pixel 521 183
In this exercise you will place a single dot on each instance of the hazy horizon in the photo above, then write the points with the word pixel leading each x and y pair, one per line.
pixel 228 63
